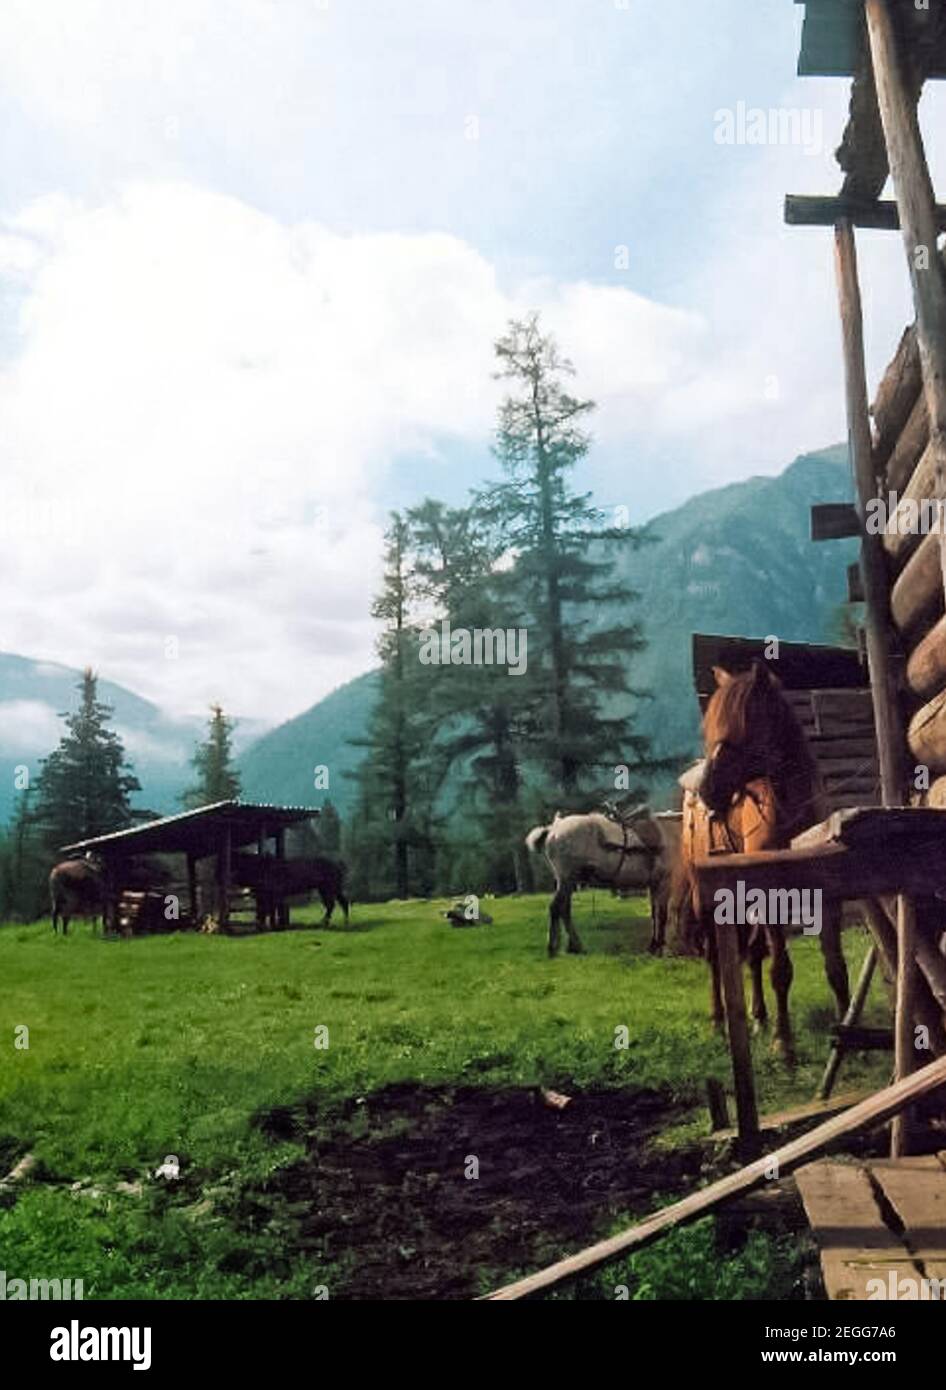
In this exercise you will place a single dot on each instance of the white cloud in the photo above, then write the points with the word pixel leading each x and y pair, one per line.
pixel 203 406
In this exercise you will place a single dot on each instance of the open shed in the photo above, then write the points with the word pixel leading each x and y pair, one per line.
pixel 210 832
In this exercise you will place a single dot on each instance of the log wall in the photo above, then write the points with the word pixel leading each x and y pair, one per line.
pixel 904 465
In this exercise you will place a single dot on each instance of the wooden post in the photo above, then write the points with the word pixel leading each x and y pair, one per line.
pixel 223 876
pixel 890 747
pixel 282 907
pixel 916 206
pixel 192 888
pixel 734 999
pixel 904 1037
pixel 890 744
pixel 855 1009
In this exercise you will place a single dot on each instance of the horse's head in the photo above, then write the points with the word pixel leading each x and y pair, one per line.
pixel 750 732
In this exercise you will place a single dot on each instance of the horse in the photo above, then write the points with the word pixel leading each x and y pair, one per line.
pixel 756 788
pixel 595 850
pixel 273 879
pixel 77 887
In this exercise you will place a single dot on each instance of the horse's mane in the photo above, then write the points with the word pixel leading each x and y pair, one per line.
pixel 750 711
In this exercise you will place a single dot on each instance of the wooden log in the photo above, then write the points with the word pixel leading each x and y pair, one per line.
pixel 834 521
pixel 917 595
pixel 926 734
pixel 716 1101
pixel 873 567
pixel 908 450
pixel 913 189
pixel 905 1019
pixel 916 514
pixel 873 1111
pixel 896 396
pixel 936 796
pixel 926 667
pixel 855 1036
pixel 802 210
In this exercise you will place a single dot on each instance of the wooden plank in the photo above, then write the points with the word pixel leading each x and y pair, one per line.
pixel 737 1032
pixel 838 871
pixel 820 1109
pixel 917 1193
pixel 917 596
pixel 873 826
pixel 846 1221
pixel 802 210
pixel 834 521
pixel 905 1018
pixel 854 1010
pixel 873 1111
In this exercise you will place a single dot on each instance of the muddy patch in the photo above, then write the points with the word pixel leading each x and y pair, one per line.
pixel 386 1197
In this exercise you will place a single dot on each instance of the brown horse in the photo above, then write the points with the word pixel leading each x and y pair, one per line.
pixel 757 788
pixel 77 888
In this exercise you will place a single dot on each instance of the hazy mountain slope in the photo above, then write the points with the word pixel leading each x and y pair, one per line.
pixel 33 694
pixel 734 560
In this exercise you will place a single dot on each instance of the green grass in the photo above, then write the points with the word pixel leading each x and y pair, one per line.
pixel 171 1045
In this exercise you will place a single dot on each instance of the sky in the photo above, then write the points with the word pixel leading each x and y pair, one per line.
pixel 254 255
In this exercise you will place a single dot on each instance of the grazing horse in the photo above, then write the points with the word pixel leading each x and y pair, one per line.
pixel 77 888
pixel 595 850
pixel 755 790
pixel 273 879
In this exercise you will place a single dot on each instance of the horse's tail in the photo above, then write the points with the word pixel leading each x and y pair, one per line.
pixel 535 840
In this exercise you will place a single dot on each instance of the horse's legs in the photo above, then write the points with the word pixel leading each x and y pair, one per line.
pixel 328 902
pixel 717 1012
pixel 835 966
pixel 575 947
pixel 756 957
pixel 781 975
pixel 554 920
pixel 346 906
pixel 659 906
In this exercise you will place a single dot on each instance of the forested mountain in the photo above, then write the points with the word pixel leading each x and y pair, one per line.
pixel 736 560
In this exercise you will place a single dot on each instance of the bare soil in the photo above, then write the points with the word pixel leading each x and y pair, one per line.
pixel 382 1196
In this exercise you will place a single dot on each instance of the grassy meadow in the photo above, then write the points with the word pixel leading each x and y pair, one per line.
pixel 204 1048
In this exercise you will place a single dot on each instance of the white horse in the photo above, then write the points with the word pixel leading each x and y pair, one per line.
pixel 593 850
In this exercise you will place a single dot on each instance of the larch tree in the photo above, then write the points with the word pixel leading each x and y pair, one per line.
pixel 217 778
pixel 564 559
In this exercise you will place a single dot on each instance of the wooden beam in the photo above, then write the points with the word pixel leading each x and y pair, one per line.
pixel 907 449
pixel 873 565
pixel 914 193
pixel 875 1110
pixel 854 1010
pixel 897 393
pixel 840 872
pixel 926 734
pixel 904 1035
pixel 834 521
pixel 803 211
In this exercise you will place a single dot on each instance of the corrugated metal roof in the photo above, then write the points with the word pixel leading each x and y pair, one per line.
pixel 833 37
pixel 198 830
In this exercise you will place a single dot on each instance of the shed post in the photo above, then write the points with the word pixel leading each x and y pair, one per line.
pixel 223 875
pixel 193 904
pixel 282 907
pixel 737 1028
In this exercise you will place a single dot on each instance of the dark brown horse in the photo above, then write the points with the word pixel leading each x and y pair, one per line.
pixel 77 888
pixel 757 788
pixel 273 879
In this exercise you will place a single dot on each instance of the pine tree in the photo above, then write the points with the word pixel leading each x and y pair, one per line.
pixel 217 779
pixel 581 722
pixel 85 785
pixel 330 829
pixel 478 706
pixel 395 791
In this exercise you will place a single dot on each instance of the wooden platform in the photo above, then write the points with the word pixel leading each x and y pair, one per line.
pixel 884 1219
